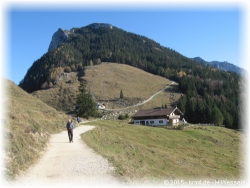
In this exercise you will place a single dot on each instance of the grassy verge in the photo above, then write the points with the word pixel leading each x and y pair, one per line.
pixel 28 123
pixel 142 153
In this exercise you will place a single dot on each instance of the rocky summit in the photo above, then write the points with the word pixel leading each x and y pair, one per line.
pixel 61 35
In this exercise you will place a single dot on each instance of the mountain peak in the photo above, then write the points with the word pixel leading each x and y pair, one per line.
pixel 199 60
pixel 225 66
pixel 59 37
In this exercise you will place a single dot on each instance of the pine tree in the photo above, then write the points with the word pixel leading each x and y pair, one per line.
pixel 183 103
pixel 121 94
pixel 217 116
pixel 86 107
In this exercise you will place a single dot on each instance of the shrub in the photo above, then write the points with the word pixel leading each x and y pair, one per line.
pixel 180 127
pixel 55 78
pixel 67 69
pixel 45 85
pixel 73 68
pixel 79 67
pixel 123 117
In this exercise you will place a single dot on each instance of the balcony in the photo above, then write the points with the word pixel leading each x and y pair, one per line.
pixel 174 117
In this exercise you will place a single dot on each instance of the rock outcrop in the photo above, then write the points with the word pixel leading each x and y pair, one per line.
pixel 59 37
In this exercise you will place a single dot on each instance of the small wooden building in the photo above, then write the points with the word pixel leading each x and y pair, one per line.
pixel 157 117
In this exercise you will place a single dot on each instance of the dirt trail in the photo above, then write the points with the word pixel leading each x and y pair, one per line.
pixel 139 104
pixel 69 164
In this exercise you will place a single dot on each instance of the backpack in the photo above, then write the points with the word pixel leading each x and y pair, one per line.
pixel 68 126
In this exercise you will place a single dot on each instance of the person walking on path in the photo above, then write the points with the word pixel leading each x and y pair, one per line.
pixel 78 120
pixel 70 127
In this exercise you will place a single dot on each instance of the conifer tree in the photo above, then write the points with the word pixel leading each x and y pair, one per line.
pixel 86 107
pixel 121 94
pixel 217 116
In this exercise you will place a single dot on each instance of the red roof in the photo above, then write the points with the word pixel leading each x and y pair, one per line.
pixel 155 112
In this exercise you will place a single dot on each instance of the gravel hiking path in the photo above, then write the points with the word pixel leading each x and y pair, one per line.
pixel 69 165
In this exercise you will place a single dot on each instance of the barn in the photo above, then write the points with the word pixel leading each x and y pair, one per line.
pixel 158 117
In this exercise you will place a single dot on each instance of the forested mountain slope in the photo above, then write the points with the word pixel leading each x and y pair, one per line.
pixel 215 92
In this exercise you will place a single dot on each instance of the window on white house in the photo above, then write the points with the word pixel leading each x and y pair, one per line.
pixel 160 121
pixel 151 121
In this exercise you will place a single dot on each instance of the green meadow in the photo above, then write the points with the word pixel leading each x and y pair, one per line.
pixel 142 153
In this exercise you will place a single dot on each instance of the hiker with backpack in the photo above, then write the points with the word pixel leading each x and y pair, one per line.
pixel 70 127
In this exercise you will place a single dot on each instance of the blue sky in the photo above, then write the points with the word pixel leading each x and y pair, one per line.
pixel 210 33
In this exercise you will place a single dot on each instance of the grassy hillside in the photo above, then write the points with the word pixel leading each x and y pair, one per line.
pixel 63 95
pixel 105 82
pixel 28 125
pixel 143 153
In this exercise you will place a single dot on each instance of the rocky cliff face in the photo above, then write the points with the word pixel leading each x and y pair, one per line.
pixel 59 37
